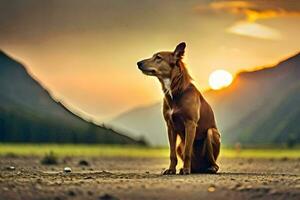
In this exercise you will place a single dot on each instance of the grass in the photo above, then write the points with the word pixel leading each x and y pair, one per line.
pixel 49 159
pixel 131 151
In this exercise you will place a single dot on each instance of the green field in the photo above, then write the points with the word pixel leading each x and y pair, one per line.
pixel 131 151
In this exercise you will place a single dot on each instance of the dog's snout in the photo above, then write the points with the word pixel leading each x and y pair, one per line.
pixel 139 64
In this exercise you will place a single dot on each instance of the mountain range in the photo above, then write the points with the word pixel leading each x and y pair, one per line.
pixel 28 113
pixel 260 107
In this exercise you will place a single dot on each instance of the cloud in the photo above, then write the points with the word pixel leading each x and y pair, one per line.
pixel 253 10
pixel 249 12
pixel 255 30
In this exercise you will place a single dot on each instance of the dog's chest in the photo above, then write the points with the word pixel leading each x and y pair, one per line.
pixel 175 116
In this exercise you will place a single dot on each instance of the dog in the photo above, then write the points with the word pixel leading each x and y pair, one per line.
pixel 189 118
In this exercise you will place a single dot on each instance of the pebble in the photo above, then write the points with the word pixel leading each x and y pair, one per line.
pixel 11 168
pixel 67 170
pixel 83 163
pixel 235 187
pixel 211 188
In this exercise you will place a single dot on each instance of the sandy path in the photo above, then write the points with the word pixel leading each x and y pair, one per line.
pixel 137 178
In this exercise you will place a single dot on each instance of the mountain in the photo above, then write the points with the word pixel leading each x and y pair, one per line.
pixel 28 113
pixel 146 122
pixel 260 107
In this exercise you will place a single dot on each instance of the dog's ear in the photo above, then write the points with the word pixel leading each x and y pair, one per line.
pixel 179 51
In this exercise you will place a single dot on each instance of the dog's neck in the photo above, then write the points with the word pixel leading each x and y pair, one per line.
pixel 166 83
pixel 178 82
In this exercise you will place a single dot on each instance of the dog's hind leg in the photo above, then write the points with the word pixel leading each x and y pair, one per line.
pixel 212 149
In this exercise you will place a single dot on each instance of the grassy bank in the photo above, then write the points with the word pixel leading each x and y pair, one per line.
pixel 131 151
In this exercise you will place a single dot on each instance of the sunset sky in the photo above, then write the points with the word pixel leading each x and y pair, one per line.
pixel 85 51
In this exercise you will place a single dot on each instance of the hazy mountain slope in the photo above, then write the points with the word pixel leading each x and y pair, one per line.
pixel 28 113
pixel 275 122
pixel 251 90
pixel 259 107
pixel 144 121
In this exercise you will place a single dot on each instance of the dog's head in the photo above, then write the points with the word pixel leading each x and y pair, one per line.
pixel 161 64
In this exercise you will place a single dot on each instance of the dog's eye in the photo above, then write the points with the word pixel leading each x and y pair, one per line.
pixel 158 57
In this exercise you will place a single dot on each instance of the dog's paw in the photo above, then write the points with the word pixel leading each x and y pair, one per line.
pixel 169 172
pixel 212 170
pixel 184 171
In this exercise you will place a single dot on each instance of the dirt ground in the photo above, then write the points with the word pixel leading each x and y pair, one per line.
pixel 139 178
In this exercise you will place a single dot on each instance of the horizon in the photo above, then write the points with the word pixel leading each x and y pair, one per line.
pixel 77 111
pixel 82 46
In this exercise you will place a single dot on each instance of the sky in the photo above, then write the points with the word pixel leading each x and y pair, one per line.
pixel 85 51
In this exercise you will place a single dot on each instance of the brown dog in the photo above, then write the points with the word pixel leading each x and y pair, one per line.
pixel 187 114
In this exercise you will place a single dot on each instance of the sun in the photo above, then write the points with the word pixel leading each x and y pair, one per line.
pixel 219 79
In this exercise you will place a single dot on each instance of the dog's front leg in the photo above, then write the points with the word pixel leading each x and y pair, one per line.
pixel 173 157
pixel 190 132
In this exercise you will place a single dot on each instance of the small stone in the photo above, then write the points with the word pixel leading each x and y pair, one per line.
pixel 11 168
pixel 67 170
pixel 211 188
pixel 108 173
pixel 238 186
pixel 249 186
pixel 83 163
